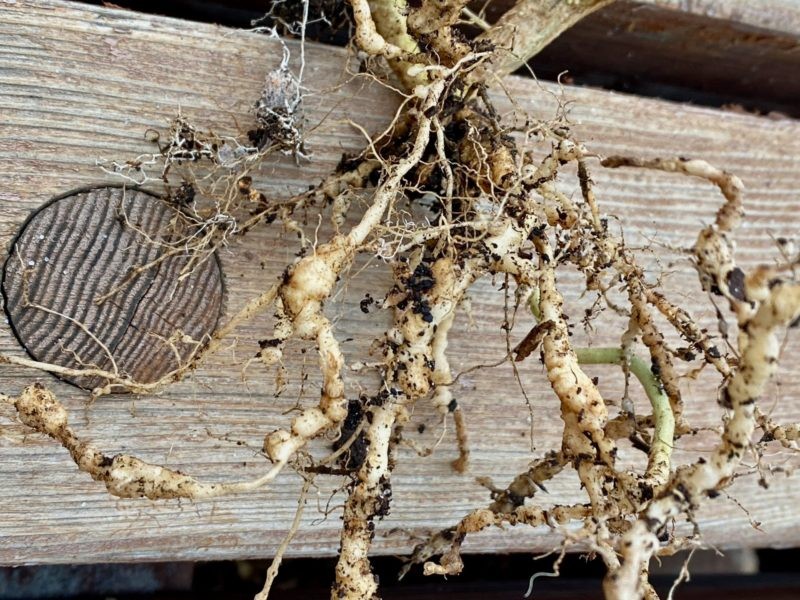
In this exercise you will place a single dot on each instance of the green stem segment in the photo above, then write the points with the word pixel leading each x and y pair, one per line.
pixel 664 428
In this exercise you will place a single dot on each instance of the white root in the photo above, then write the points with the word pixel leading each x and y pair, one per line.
pixel 759 348
pixel 310 282
pixel 367 36
pixel 582 406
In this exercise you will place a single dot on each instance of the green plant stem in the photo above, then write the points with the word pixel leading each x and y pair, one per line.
pixel 664 419
pixel 664 427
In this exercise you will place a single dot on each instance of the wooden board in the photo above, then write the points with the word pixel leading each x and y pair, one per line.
pixel 81 84
pixel 709 52
pixel 772 17
pixel 769 15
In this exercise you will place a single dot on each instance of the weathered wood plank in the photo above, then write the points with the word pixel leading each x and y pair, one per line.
pixel 774 15
pixel 709 52
pixel 78 84
pixel 706 51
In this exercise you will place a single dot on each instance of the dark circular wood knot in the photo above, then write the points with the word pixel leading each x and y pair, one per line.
pixel 76 294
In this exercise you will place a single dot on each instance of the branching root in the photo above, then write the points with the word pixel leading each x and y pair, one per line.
pixel 450 195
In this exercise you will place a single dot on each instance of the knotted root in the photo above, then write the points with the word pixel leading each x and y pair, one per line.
pixel 124 476
pixel 457 195
pixel 776 306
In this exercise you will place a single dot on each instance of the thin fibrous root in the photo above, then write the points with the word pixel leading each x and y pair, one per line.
pixel 787 435
pixel 448 542
pixel 713 249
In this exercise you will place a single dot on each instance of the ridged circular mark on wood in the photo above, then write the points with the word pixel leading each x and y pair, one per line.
pixel 79 247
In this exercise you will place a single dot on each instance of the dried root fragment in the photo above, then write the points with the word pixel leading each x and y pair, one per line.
pixel 528 483
pixel 278 114
pixel 448 542
pixel 699 340
pixel 786 435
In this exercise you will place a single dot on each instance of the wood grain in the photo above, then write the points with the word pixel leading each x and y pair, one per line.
pixel 709 52
pixel 768 15
pixel 74 299
pixel 78 84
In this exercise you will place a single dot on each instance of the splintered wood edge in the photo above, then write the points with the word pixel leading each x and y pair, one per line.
pixel 80 83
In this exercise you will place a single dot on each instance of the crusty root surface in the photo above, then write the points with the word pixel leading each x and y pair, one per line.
pixel 450 194
pixel 124 476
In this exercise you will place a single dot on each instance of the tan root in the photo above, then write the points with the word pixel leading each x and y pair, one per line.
pixel 451 194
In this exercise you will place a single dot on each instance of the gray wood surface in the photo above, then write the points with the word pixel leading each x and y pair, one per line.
pixel 79 84
pixel 769 15
pixel 734 52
